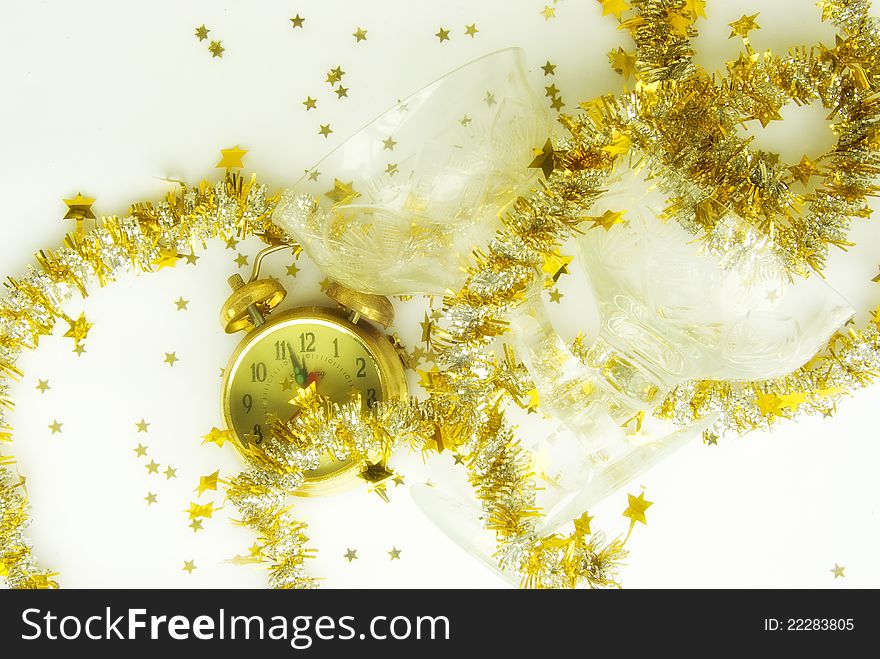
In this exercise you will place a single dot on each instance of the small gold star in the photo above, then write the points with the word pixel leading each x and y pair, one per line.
pixel 398 480
pixel 490 99
pixel 55 426
pixel 389 143
pixel 555 296
pixel 458 459
pixel 743 26
pixel 310 103
pixel 341 91
pixel 549 69
pixel 557 103
pixel 140 450
pixel 341 192
pixel 391 170
pixel 43 386
pixel 335 75
pixel 79 329
pixel 351 555
pixel 313 175
pixel 241 260
pixel 217 436
pixel 551 90
pixel 545 159
pixel 607 219
pixel 325 130
pixel 231 158
pixel 189 566
pixel 231 242
pixel 181 304
pixel 427 325
pixel 442 35
pixel 196 510
pixel 622 62
pixel 636 509
pixel 297 21
pixel 287 384
pixel 167 258
pixel 208 482
pixel 616 7
pixel 170 358
pixel 710 438
pixel 837 571
pixel 170 473
pixel 548 12
pixel 191 258
pixel 216 49
pixel 465 120
pixel 582 525
pixel 142 425
pixel 697 8
pixel 152 467
pixel 324 284
pixel 360 34
pixel 196 525
pixel 79 208
pixel 150 498
pixel 804 170
pixel 292 270
pixel 202 32
pixel 79 350
pixel 394 553
pixel 471 30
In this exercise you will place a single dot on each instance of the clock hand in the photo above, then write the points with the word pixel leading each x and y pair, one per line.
pixel 299 373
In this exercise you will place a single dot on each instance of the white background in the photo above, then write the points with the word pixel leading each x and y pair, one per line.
pixel 108 97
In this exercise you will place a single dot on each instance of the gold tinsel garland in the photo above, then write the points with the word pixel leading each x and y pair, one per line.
pixel 702 168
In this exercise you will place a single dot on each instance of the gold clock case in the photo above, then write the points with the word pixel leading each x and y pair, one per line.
pixel 391 377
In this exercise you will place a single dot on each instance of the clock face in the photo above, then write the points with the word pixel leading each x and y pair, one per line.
pixel 289 355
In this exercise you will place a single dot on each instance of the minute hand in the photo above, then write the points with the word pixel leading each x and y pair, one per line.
pixel 299 373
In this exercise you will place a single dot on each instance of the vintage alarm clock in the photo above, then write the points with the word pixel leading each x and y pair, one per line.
pixel 336 348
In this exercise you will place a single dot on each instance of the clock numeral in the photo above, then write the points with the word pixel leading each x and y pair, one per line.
pixel 307 342
pixel 371 396
pixel 280 351
pixel 336 347
pixel 362 367
pixel 258 372
pixel 248 402
pixel 258 434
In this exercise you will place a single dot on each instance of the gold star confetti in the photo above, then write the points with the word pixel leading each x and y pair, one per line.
pixel 167 259
pixel 208 482
pixel 549 69
pixel 55 426
pixel 152 467
pixel 79 350
pixel 341 192
pixel 398 480
pixel 341 92
pixel 556 264
pixel 465 121
pixel 442 35
pixel 189 566
pixel 351 555
pixel 837 571
pixel 426 325
pixel 360 34
pixel 679 22
pixel 297 21
pixel 389 143
pixel 548 12
pixel 217 436
pixel 804 170
pixel 181 304
pixel 394 553
pixel 43 386
pixel 557 104
pixel 79 329
pixel 216 49
pixel 231 242
pixel 231 158
pixel 202 32
pixel 551 90
pixel 335 75
pixel 170 473
pixel 196 510
pixel 196 525
pixel 80 209
pixel 636 509
pixel 170 358
pixel 490 99
pixel 544 159
pixel 191 258
pixel 471 30
pixel 310 103
pixel 324 284
pixel 292 270
pixel 150 498
pixel 142 425
pixel 622 62
pixel 140 450
pixel 607 219
pixel 241 260
pixel 615 7
pixel 555 296
pixel 582 525
pixel 391 169
pixel 313 175
pixel 710 438
pixel 325 130
pixel 697 8
pixel 743 26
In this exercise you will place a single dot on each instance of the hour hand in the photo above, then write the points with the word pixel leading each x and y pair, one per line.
pixel 299 373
